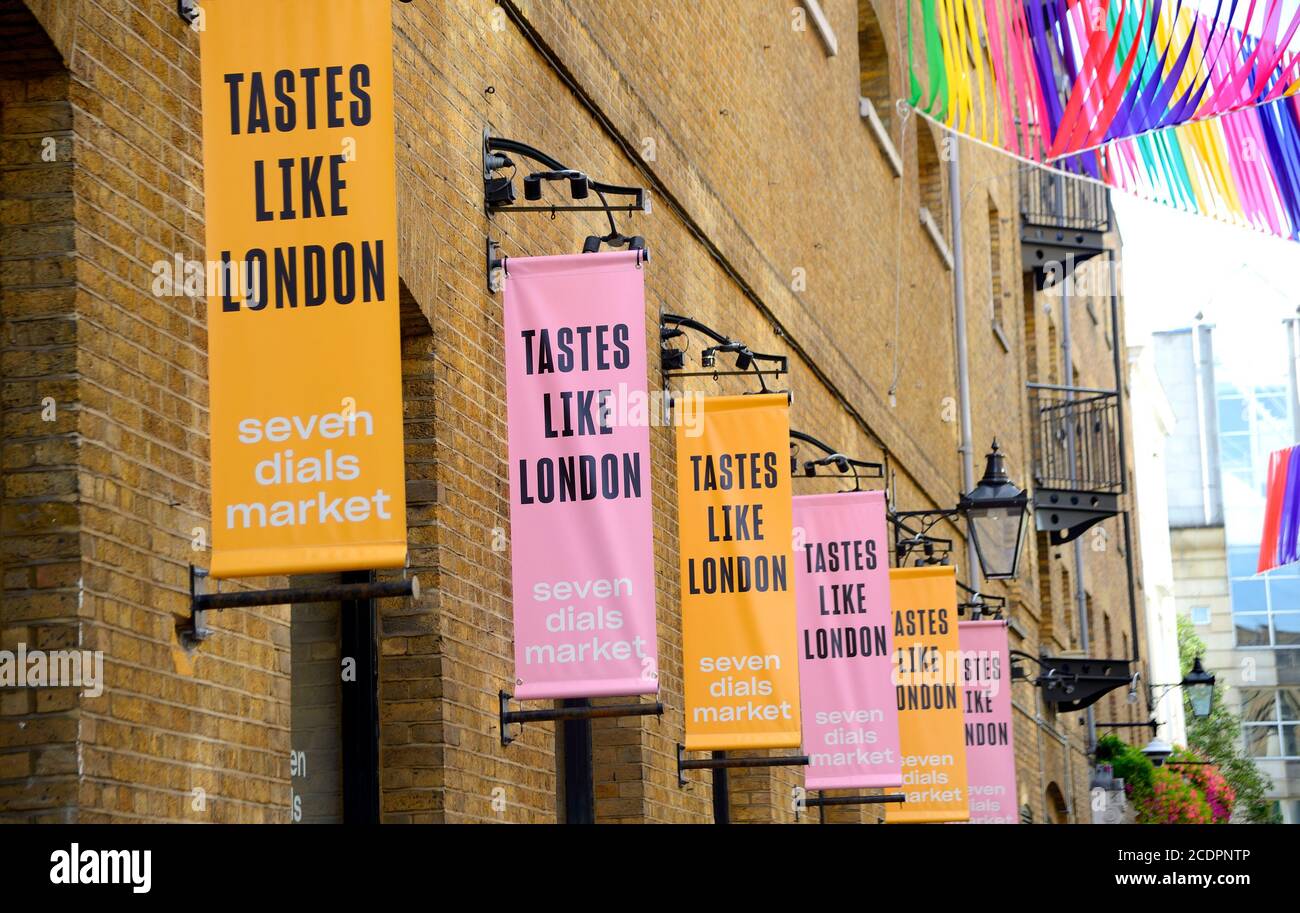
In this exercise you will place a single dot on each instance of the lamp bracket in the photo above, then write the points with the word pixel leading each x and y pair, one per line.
pixel 1153 725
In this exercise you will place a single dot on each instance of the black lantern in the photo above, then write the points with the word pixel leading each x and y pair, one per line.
pixel 997 514
pixel 1198 685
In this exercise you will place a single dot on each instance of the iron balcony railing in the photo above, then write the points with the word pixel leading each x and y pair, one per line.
pixel 1076 438
pixel 1055 200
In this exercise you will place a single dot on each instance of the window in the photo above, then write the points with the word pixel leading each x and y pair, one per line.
pixel 1200 615
pixel 873 65
pixel 1265 607
pixel 930 178
pixel 995 275
pixel 1029 326
pixel 1271 722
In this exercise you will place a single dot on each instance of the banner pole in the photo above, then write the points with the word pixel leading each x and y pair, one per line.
pixel 579 786
pixel 721 791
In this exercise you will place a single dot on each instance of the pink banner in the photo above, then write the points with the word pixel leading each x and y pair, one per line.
pixel 579 440
pixel 990 751
pixel 846 642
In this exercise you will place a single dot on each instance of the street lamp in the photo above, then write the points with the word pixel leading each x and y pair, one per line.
pixel 1198 685
pixel 1157 750
pixel 997 515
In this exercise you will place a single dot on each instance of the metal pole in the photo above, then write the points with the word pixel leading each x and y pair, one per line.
pixel 825 801
pixel 358 639
pixel 573 710
pixel 721 792
pixel 963 368
pixel 1123 466
pixel 1198 371
pixel 1080 588
pixel 340 592
pixel 579 786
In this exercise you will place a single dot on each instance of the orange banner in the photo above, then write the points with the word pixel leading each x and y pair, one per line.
pixel 928 686
pixel 738 609
pixel 304 366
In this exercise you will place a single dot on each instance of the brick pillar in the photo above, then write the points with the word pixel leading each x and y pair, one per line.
pixel 39 510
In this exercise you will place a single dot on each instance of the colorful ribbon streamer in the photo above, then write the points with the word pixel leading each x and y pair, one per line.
pixel 1180 103
pixel 1280 543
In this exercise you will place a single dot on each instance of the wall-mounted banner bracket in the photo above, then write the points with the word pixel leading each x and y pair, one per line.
pixel 908 538
pixel 499 190
pixel 981 605
pixel 823 801
pixel 550 714
pixel 499 196
pixel 496 266
pixel 831 458
pixel 196 630
pixel 188 10
pixel 672 360
pixel 730 761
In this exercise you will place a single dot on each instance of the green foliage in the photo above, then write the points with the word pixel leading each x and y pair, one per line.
pixel 1217 739
pixel 1129 763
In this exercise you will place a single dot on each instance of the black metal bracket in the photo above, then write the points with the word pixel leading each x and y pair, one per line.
pixel 982 604
pixel 196 630
pixel 188 10
pixel 937 550
pixel 672 360
pixel 826 801
pixel 823 801
pixel 507 716
pixel 1149 724
pixel 496 266
pixel 499 196
pixel 1067 515
pixel 928 518
pixel 730 761
pixel 1073 683
pixel 861 469
pixel 499 193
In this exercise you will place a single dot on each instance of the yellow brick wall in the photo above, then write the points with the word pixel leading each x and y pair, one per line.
pixel 776 219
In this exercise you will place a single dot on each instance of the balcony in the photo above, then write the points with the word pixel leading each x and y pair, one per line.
pixel 1062 219
pixel 1078 467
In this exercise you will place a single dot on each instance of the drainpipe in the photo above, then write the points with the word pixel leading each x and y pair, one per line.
pixel 1080 589
pixel 1198 373
pixel 963 370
